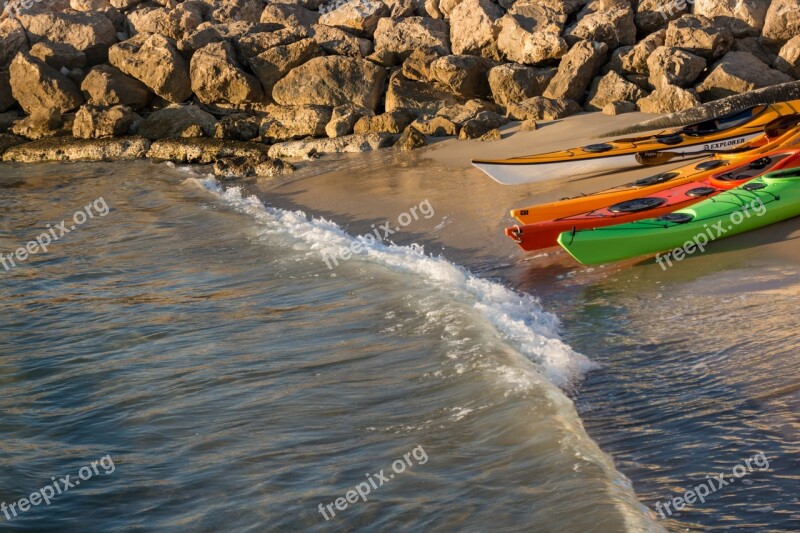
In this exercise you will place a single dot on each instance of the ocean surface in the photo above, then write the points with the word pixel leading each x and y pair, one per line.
pixel 203 356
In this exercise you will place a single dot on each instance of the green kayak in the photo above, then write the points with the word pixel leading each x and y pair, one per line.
pixel 763 201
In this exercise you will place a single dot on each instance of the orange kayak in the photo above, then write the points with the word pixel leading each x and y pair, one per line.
pixel 784 134
pixel 545 234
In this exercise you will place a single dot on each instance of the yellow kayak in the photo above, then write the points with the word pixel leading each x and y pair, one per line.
pixel 721 133
pixel 784 133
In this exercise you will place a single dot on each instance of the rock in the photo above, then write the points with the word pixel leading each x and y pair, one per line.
pixel 340 145
pixel 35 85
pixel 272 65
pixel 12 40
pixel 410 140
pixel 534 38
pixel 9 141
pixel 612 88
pixel 618 108
pixel 332 81
pixel 294 122
pixel 344 118
pixel 103 7
pixel 94 122
pixel 634 60
pixel 699 36
pixel 736 73
pixel 40 124
pixel 655 15
pixel 289 15
pixel 178 121
pixel 576 71
pixel 108 86
pixel 218 78
pixel 90 33
pixel 65 149
pixel 528 125
pixel 175 23
pixel 338 42
pixel 383 58
pixel 514 83
pixel 253 44
pixel 764 51
pixel 243 167
pixel 417 66
pixel 605 21
pixel 489 136
pixel 6 97
pixel 788 60
pixel 473 28
pixel 782 21
pixel 401 8
pixel 237 127
pixel 672 66
pixel 203 151
pixel 228 31
pixel 481 125
pixel 403 36
pixel 153 60
pixel 436 127
pixel 463 75
pixel 742 18
pixel 58 56
pixel 393 122
pixel 271 168
pixel 540 108
pixel 669 99
pixel 222 11
pixel 461 113
pixel 357 16
pixel 417 97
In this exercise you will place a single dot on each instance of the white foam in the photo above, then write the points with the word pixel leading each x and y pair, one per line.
pixel 518 318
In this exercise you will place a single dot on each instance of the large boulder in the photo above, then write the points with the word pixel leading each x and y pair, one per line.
pixel 417 97
pixel 153 60
pixel 42 123
pixel 788 60
pixel 12 40
pixel 742 18
pixel 356 16
pixel 332 81
pixel 218 78
pixel 285 123
pixel 58 55
pixel 612 88
pixel 250 45
pixel 473 28
pixel 577 70
pixel 605 21
pixel 237 127
pixel 403 36
pixel 393 122
pixel 272 65
pixel 340 145
pixel 344 118
pixel 36 85
pixel 699 36
pixel 766 52
pixel 59 149
pixel 94 122
pixel 481 124
pixel 531 33
pixel 90 33
pixel 338 42
pixel 655 15
pixel 670 66
pixel 227 31
pixel 540 108
pixel 175 23
pixel 669 99
pixel 513 83
pixel 633 60
pixel 464 75
pixel 108 86
pixel 736 73
pixel 223 11
pixel 289 15
pixel 782 21
pixel 178 121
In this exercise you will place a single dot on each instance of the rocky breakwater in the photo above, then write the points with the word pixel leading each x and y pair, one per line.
pixel 246 85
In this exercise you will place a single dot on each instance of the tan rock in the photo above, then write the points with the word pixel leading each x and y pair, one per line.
pixel 669 99
pixel 217 77
pixel 514 83
pixel 340 145
pixel 436 127
pixel 222 11
pixel 284 123
pixel 403 36
pixel 153 60
pixel 671 66
pixel 175 23
pixel 338 42
pixel 699 36
pixel 605 21
pixel 275 63
pixel 540 108
pixel 237 127
pixel 782 21
pixel 12 40
pixel 357 16
pixel 204 151
pixel 289 15
pixel 576 71
pixel 655 15
pixel 40 124
pixel 788 60
pixel 473 28
pixel 417 97
pixel 344 118
pixel 742 18
pixel 58 55
pixel 634 60
pixel 228 31
pixel 534 38
pixel 411 139
pixel 481 125
pixel 736 73
pixel 618 108
pixel 464 75
pixel 35 85
pixel 108 86
pixel 392 122
pixel 66 149
pixel 90 33
pixel 612 88
pixel 178 121
pixel 94 122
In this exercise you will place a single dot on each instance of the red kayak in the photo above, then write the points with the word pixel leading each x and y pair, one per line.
pixel 540 235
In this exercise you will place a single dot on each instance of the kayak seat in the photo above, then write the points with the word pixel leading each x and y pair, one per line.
pixel 670 140
pixel 701 191
pixel 658 178
pixel 708 165
pixel 676 218
pixel 637 205
pixel 597 148
pixel 754 186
